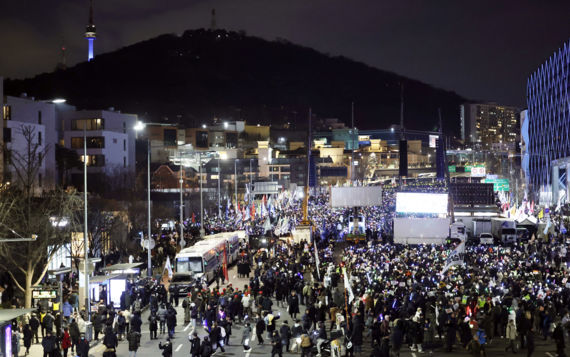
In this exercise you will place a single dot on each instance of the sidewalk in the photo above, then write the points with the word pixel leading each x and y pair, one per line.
pixel 36 350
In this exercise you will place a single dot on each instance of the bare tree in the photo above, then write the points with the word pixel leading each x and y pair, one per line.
pixel 51 217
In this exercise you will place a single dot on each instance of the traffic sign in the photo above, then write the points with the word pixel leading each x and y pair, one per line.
pixel 499 184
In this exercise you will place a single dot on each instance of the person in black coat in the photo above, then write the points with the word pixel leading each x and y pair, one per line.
pixel 397 337
pixel 357 331
pixel 206 347
pixel 171 321
pixel 276 345
pixel 82 348
pixel 110 341
pixel 293 302
pixel 49 343
pixel 259 329
pixel 195 345
pixel 136 321
pixel 451 325
pixel 28 335
pixel 216 338
pixel 35 325
pixel 285 333
pixel 153 325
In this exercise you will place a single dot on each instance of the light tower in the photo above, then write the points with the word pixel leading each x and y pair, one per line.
pixel 90 32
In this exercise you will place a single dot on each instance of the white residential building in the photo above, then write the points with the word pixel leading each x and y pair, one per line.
pixel 29 127
pixel 110 143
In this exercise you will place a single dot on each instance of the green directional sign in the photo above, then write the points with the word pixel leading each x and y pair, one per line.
pixel 452 168
pixel 499 184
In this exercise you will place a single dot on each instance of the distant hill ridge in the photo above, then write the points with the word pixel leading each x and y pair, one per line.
pixel 204 74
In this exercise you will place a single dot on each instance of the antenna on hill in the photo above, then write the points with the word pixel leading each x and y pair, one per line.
pixel 62 64
pixel 402 111
pixel 213 20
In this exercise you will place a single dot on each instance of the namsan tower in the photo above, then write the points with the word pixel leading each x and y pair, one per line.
pixel 90 32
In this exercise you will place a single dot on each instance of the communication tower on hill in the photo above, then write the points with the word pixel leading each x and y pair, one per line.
pixel 90 32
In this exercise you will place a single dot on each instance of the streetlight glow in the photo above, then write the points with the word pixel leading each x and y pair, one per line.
pixel 59 101
pixel 139 126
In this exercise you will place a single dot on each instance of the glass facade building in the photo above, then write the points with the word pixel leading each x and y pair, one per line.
pixel 548 103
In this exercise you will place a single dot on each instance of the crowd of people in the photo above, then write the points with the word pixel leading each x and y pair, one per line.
pixel 341 299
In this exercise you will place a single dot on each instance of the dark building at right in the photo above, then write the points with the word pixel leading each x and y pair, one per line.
pixel 548 149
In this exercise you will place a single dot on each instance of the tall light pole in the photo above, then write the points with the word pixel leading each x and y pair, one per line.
pixel 181 201
pixel 139 127
pixel 202 230
pixel 219 191
pixel 235 180
pixel 85 233
pixel 149 234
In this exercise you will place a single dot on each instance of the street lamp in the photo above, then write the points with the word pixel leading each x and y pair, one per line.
pixel 221 156
pixel 181 203
pixel 85 233
pixel 140 126
pixel 235 181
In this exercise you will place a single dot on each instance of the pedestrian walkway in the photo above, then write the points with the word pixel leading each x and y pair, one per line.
pixel 36 350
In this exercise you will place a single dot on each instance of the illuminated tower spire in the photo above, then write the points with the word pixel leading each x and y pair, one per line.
pixel 90 32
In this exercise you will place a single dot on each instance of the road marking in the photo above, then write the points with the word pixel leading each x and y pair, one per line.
pixel 414 355
pixel 253 335
pixel 187 327
pixel 179 347
pixel 549 354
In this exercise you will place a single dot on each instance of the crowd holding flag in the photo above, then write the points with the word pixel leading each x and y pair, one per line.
pixel 456 257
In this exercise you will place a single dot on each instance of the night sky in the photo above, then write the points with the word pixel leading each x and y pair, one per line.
pixel 480 49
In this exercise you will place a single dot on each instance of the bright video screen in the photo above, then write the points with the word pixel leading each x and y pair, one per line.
pixel 412 202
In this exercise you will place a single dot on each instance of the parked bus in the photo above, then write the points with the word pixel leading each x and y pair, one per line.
pixel 207 255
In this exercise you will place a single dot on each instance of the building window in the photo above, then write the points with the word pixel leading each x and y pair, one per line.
pixel 7 112
pixel 124 162
pixel 39 137
pixel 202 139
pixel 88 124
pixel 124 144
pixel 114 140
pixel 93 142
pixel 39 117
pixel 40 180
pixel 124 127
pixel 169 137
pixel 7 135
pixel 94 160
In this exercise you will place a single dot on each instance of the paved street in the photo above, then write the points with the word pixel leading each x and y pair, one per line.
pixel 181 345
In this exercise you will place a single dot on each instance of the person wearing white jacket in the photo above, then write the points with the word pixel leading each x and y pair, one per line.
pixel 511 336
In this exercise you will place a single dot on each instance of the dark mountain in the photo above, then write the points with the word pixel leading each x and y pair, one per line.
pixel 204 74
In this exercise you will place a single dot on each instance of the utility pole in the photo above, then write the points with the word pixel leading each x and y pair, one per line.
pixel 445 166
pixel 235 182
pixel 181 200
pixel 352 175
pixel 219 189
pixel 202 230
pixel 85 231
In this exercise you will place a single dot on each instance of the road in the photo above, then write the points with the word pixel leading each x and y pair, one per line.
pixel 181 345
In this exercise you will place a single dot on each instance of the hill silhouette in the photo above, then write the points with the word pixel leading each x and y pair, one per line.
pixel 204 74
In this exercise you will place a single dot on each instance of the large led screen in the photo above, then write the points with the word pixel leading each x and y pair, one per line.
pixel 412 202
pixel 362 196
